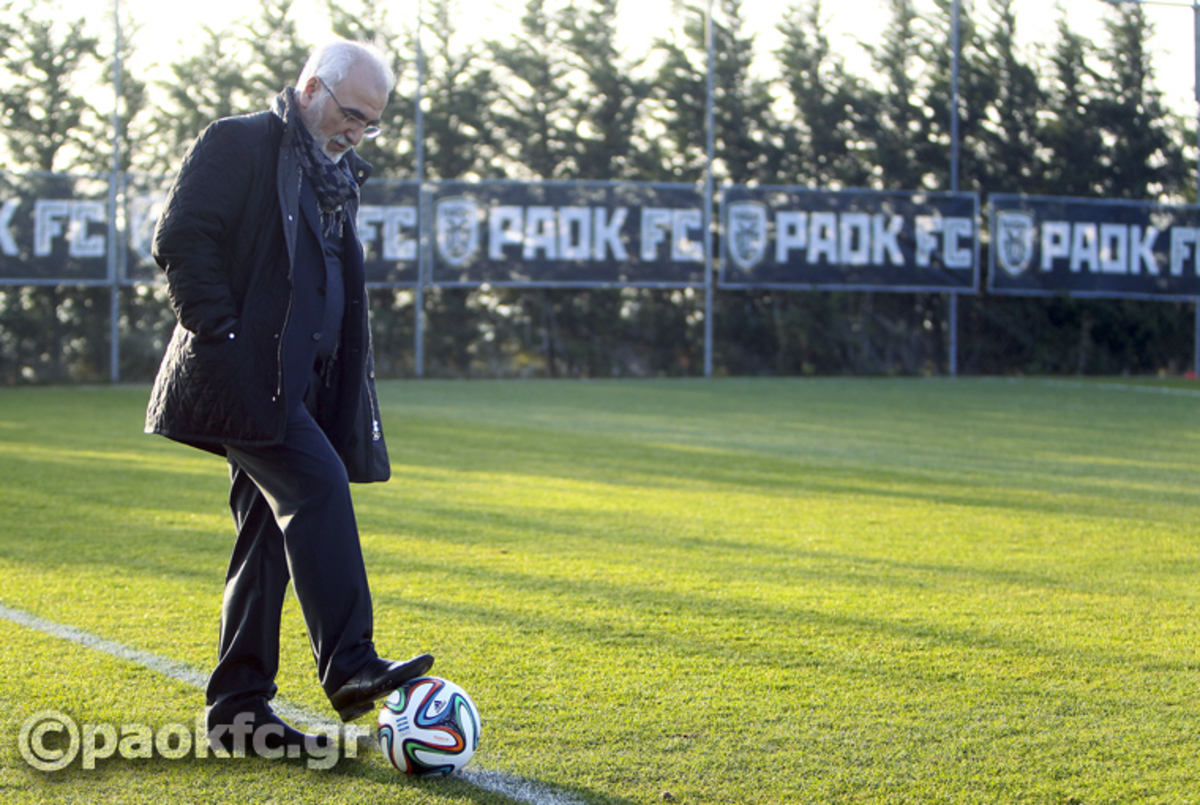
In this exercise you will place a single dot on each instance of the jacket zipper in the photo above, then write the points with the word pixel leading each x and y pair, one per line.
pixel 290 238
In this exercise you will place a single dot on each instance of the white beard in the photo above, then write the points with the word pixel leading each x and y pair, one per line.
pixel 335 156
pixel 311 118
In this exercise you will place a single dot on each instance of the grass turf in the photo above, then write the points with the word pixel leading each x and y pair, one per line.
pixel 735 591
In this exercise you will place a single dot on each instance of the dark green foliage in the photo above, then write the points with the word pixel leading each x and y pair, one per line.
pixel 822 144
pixel 1143 160
pixel 132 117
pixel 606 110
pixel 562 98
pixel 532 101
pixel 206 86
pixel 1068 132
pixel 43 111
pixel 901 126
pixel 744 127
pixel 460 135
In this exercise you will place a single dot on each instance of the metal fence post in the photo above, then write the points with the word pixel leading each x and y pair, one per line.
pixel 710 148
pixel 114 195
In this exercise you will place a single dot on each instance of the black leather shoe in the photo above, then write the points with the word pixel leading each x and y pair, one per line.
pixel 256 731
pixel 374 681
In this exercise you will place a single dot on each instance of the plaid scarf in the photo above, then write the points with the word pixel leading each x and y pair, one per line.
pixel 332 181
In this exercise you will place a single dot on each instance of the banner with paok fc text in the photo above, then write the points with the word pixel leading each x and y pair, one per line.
pixel 1043 246
pixel 566 234
pixel 387 226
pixel 800 238
pixel 53 227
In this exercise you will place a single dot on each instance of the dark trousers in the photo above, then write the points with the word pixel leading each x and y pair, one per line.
pixel 295 522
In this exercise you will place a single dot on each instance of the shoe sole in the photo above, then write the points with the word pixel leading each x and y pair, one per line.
pixel 411 670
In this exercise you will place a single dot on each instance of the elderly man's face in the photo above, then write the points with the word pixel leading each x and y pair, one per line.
pixel 336 116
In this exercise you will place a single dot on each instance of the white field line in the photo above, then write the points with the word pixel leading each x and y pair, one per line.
pixel 496 782
pixel 1135 389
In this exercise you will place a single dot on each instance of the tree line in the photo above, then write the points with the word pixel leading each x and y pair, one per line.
pixel 562 99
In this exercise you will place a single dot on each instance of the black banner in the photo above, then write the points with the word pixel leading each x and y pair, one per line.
pixel 144 200
pixel 1043 246
pixel 387 225
pixel 53 228
pixel 566 234
pixel 794 237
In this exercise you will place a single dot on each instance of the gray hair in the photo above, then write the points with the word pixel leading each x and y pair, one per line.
pixel 332 62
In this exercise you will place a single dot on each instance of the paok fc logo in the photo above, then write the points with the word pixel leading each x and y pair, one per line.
pixel 1014 240
pixel 457 229
pixel 746 227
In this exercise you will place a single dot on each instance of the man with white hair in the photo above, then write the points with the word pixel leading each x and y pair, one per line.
pixel 270 365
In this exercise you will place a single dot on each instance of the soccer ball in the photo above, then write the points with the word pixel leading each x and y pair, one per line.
pixel 429 727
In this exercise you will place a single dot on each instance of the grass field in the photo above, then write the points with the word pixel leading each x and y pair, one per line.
pixel 736 591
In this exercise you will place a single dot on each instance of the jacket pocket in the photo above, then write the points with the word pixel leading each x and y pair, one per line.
pixel 366 455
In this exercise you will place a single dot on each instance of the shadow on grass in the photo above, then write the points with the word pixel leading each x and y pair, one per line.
pixel 919 468
pixel 736 631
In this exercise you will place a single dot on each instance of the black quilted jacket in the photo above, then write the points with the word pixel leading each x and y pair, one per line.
pixel 227 240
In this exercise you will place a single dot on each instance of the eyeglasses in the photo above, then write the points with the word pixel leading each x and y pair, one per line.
pixel 370 128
